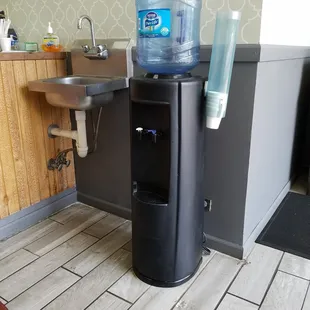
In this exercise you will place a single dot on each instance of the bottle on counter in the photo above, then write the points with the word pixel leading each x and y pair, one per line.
pixel 51 41
pixel 14 42
pixel 11 34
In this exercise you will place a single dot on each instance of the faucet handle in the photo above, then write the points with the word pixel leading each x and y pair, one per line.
pixel 102 51
pixel 100 48
pixel 85 48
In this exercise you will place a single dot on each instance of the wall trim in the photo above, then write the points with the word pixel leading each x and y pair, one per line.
pixel 283 52
pixel 261 52
pixel 241 252
pixel 27 217
pixel 244 53
pixel 30 216
pixel 214 243
pixel 104 205
pixel 226 247
pixel 255 53
pixel 250 242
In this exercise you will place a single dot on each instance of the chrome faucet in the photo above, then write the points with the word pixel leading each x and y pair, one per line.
pixel 96 51
pixel 91 23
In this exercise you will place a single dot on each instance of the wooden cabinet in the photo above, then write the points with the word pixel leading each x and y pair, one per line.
pixel 24 145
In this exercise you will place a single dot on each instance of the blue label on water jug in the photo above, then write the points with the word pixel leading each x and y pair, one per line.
pixel 154 23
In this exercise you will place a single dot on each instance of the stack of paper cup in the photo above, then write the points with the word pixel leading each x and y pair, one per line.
pixel 5 44
pixel 221 65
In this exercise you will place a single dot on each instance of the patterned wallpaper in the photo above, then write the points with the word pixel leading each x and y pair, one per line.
pixel 115 18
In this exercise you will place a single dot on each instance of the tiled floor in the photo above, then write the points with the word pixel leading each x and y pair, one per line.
pixel 80 259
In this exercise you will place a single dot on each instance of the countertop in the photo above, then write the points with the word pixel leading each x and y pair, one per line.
pixel 31 56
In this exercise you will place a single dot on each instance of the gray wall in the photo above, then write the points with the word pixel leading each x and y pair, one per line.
pixel 103 178
pixel 279 100
pixel 227 158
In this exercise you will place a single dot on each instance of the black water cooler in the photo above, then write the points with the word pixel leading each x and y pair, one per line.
pixel 167 155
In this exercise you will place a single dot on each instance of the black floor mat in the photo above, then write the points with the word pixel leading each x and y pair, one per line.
pixel 289 228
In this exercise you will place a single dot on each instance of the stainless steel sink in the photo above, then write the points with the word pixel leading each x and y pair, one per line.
pixel 79 92
pixel 94 79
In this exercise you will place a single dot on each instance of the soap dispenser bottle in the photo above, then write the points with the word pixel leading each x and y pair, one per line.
pixel 50 40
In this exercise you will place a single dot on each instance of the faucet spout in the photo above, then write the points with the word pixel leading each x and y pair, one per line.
pixel 91 23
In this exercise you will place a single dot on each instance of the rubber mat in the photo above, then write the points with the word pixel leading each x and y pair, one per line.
pixel 289 228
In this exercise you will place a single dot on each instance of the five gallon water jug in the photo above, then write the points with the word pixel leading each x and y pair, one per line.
pixel 168 35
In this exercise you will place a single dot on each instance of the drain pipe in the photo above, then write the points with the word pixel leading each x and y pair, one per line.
pixel 78 135
pixel 81 140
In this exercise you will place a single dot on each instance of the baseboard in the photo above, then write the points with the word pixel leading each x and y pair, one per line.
pixel 27 217
pixel 242 252
pixel 250 242
pixel 104 205
pixel 226 247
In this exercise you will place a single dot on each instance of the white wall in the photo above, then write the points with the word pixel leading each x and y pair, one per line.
pixel 285 22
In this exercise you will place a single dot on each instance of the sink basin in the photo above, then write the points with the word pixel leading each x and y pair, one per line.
pixel 79 92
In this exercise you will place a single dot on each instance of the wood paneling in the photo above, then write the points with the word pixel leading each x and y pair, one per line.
pixel 25 147
pixel 6 162
pixel 26 132
pixel 40 132
pixel 69 178
pixel 46 114
pixel 13 116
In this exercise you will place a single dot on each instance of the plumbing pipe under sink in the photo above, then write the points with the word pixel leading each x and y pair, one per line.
pixel 78 135
pixel 92 85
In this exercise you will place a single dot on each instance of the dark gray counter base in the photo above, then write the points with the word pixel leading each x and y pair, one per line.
pixel 104 205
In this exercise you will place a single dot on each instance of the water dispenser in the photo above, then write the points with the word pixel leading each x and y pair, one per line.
pixel 170 109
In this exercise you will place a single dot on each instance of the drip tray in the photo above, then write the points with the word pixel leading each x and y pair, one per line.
pixel 150 198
